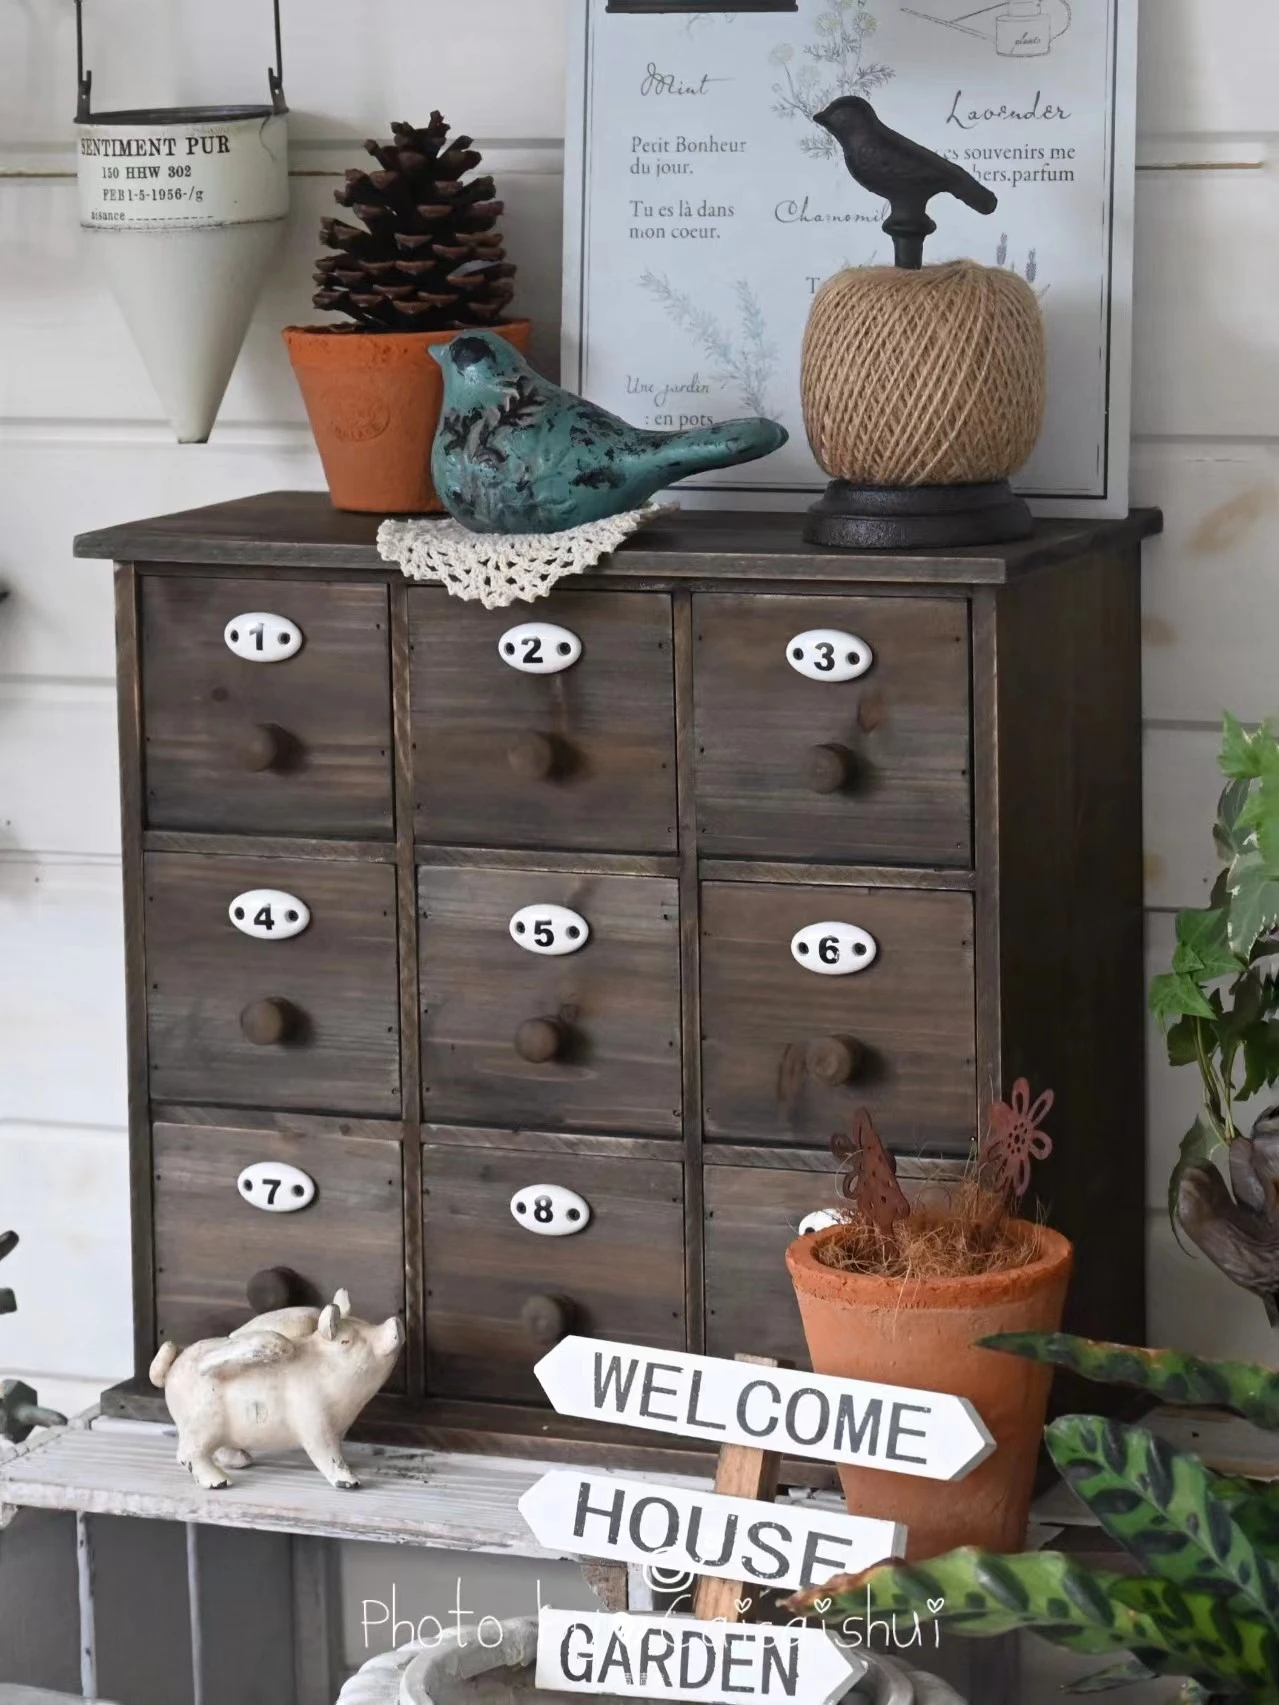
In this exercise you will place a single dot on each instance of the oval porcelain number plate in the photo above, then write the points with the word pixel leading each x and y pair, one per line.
pixel 539 648
pixel 276 1188
pixel 821 1219
pixel 834 949
pixel 826 654
pixel 260 637
pixel 551 930
pixel 268 914
pixel 550 1210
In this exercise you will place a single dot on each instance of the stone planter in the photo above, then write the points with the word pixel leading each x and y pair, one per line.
pixel 502 1674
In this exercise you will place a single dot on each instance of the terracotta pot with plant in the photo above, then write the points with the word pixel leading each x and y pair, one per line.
pixel 427 263
pixel 902 1294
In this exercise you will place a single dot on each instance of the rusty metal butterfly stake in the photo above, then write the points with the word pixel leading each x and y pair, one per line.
pixel 1013 1140
pixel 869 1174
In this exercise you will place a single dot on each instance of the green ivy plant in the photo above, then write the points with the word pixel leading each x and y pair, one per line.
pixel 1205 1604
pixel 1219 1004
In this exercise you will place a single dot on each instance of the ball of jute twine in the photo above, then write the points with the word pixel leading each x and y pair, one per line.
pixel 935 377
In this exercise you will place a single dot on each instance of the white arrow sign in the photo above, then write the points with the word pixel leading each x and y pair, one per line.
pixel 673 1657
pixel 703 1533
pixel 925 1433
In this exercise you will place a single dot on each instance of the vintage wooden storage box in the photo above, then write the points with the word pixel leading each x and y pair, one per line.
pixel 339 791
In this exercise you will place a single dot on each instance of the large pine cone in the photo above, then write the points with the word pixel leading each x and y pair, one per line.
pixel 429 257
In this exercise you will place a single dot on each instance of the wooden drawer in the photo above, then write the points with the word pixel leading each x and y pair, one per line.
pixel 615 1003
pixel 752 1214
pixel 300 747
pixel 336 985
pixel 870 771
pixel 910 1015
pixel 209 1242
pixel 580 759
pixel 621 1278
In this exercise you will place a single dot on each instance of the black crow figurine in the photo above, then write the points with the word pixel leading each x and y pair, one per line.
pixel 905 174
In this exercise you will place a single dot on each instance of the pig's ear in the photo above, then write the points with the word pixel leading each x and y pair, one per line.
pixel 328 1323
pixel 342 1302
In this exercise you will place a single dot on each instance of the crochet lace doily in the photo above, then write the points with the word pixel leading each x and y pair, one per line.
pixel 505 568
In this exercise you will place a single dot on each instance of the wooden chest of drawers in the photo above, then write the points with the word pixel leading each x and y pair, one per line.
pixel 325 852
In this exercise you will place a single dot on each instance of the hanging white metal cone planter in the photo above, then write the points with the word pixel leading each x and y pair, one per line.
pixel 186 206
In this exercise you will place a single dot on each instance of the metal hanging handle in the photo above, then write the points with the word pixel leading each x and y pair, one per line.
pixel 84 79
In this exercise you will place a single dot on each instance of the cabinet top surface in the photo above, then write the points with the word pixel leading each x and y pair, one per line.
pixel 301 529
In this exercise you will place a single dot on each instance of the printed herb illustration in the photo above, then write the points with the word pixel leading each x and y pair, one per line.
pixel 835 63
pixel 745 361
pixel 1030 272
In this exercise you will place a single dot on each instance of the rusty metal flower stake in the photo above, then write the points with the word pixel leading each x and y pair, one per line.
pixel 1013 1140
pixel 869 1174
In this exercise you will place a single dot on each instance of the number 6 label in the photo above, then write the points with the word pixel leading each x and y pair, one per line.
pixel 834 949
pixel 276 1188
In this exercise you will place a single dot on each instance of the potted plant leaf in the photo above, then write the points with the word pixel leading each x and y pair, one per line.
pixel 1204 1601
pixel 900 1293
pixel 1219 1004
pixel 426 262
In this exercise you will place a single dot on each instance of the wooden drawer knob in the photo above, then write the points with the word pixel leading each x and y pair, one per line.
pixel 264 747
pixel 274 1288
pixel 828 769
pixel 548 1319
pixel 533 756
pixel 540 1039
pixel 833 1060
pixel 267 1023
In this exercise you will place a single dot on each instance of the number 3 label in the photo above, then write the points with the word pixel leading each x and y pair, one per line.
pixel 826 654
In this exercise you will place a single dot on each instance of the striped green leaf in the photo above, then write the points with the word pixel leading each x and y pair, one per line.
pixel 974 1593
pixel 1170 1375
pixel 1238 1649
pixel 1159 1504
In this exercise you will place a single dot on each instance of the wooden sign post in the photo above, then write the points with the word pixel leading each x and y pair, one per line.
pixel 743 1471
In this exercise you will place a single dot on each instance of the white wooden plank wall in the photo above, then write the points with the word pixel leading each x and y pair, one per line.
pixel 81 445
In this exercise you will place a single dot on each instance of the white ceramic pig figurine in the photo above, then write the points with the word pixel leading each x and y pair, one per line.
pixel 293 1379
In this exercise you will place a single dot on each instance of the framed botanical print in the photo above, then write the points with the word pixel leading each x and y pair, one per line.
pixel 704 207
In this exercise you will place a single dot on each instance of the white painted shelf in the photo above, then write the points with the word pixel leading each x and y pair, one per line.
pixel 406 1497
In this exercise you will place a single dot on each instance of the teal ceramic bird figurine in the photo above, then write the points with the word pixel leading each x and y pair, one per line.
pixel 517 454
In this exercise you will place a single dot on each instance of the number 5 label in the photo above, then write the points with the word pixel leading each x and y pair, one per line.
pixel 552 930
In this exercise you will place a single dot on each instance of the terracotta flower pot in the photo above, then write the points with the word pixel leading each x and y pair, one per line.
pixel 373 399
pixel 922 1334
